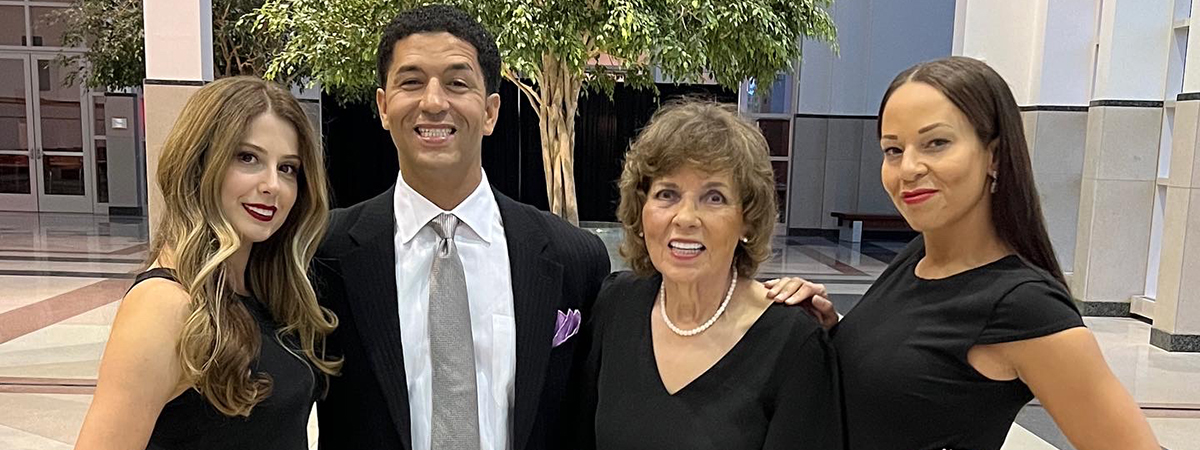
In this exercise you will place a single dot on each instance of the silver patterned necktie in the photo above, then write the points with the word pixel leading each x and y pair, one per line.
pixel 455 419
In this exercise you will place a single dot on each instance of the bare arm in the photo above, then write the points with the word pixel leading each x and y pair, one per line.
pixel 140 371
pixel 1068 373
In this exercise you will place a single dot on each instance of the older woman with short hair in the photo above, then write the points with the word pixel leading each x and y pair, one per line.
pixel 688 351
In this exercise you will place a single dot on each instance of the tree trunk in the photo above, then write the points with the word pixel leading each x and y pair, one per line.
pixel 560 100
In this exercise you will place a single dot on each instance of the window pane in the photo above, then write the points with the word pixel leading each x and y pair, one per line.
pixel 63 174
pixel 776 133
pixel 98 116
pixel 775 98
pixel 47 29
pixel 101 171
pixel 781 202
pixel 12 25
pixel 781 173
pixel 14 174
pixel 14 122
pixel 62 120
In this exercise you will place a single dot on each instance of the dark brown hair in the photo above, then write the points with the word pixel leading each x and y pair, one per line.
pixel 983 96
pixel 709 137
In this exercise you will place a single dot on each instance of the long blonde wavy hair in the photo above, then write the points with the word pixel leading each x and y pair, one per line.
pixel 220 339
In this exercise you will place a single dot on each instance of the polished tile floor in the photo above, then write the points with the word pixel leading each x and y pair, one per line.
pixel 61 277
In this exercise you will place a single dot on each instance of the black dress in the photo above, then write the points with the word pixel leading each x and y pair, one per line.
pixel 188 421
pixel 776 388
pixel 903 352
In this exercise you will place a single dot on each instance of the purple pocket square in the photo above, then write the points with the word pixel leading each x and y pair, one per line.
pixel 566 326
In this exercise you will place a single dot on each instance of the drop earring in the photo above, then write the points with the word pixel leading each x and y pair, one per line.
pixel 995 178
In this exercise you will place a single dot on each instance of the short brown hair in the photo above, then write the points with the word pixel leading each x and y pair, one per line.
pixel 709 137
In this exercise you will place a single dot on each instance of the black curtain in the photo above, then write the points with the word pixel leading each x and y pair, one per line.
pixel 359 153
pixel 362 158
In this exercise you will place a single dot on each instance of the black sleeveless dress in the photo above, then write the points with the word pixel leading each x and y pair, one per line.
pixel 279 422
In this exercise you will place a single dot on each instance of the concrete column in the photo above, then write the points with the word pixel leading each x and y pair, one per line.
pixel 1044 50
pixel 1177 300
pixel 179 60
pixel 1121 155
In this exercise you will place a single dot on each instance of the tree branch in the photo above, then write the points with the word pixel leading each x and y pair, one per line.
pixel 534 98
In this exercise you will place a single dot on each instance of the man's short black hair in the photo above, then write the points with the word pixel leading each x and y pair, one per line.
pixel 434 19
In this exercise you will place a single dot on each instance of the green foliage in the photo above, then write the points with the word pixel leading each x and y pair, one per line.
pixel 334 40
pixel 725 40
pixel 114 34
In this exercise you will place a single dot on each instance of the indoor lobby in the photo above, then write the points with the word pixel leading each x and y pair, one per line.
pixel 1109 94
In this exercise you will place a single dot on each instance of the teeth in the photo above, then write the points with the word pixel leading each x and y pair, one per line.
pixel 434 132
pixel 265 212
pixel 687 245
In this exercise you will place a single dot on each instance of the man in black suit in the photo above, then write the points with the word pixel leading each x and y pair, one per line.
pixel 525 270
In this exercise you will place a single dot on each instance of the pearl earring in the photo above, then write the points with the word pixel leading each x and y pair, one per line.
pixel 745 240
pixel 640 234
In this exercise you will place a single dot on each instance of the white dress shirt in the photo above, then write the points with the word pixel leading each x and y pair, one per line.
pixel 484 253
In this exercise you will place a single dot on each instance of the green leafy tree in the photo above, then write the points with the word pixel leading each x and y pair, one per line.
pixel 553 49
pixel 114 35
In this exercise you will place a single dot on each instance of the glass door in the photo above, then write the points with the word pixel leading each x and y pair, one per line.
pixel 61 153
pixel 18 183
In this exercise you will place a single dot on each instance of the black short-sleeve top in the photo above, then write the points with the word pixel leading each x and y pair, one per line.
pixel 903 352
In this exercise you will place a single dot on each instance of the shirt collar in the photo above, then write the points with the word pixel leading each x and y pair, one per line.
pixel 479 211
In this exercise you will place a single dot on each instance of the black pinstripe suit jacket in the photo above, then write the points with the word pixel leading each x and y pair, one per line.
pixel 555 266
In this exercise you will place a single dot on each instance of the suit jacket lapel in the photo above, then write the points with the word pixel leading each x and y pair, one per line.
pixel 370 281
pixel 537 288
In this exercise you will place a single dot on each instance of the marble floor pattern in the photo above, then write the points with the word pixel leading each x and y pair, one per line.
pixel 62 276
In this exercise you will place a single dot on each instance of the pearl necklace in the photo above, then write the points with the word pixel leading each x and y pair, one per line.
pixel 662 297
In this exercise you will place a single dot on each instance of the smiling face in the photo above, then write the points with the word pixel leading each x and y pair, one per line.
pixel 436 106
pixel 262 180
pixel 692 221
pixel 935 169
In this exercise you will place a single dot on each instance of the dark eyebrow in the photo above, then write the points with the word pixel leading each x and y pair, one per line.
pixel 288 158
pixel 923 130
pixel 460 66
pixel 407 68
pixel 932 126
pixel 453 68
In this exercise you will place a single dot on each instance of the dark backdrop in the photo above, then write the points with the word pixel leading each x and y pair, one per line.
pixel 362 159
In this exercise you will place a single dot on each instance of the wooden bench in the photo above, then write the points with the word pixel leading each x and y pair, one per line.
pixel 850 225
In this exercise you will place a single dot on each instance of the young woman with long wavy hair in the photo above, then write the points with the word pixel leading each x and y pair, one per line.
pixel 220 344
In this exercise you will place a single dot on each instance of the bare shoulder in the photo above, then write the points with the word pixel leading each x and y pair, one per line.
pixel 757 293
pixel 140 370
pixel 143 345
pixel 157 301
